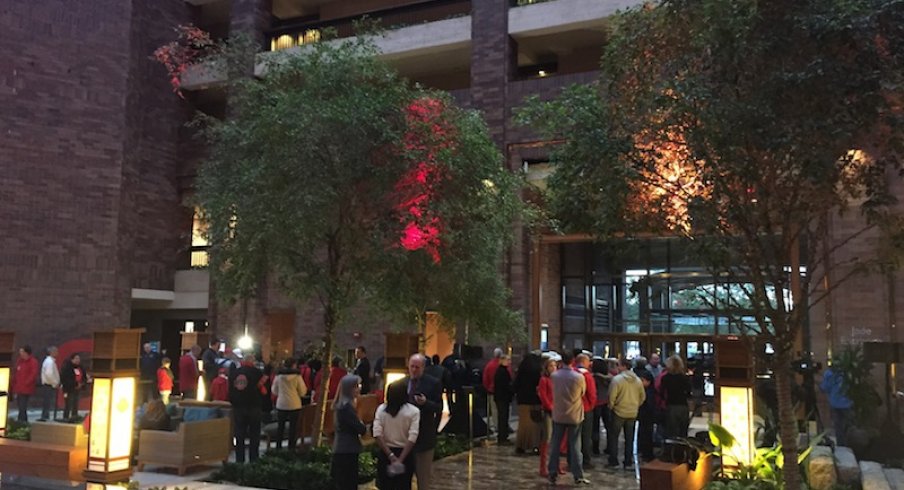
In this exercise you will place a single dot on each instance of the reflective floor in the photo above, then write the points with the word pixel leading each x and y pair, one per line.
pixel 495 467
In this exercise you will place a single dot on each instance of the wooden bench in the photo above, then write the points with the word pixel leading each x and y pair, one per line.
pixel 53 461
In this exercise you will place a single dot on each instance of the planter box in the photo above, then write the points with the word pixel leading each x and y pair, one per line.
pixel 59 434
pixel 659 475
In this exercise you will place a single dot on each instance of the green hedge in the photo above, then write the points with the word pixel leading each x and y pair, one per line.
pixel 286 470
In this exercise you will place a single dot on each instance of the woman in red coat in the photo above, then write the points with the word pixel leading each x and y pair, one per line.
pixel 25 380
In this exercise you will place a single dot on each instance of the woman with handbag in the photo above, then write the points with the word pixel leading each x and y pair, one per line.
pixel 396 428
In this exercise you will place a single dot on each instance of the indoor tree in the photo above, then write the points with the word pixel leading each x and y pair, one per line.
pixel 336 178
pixel 745 128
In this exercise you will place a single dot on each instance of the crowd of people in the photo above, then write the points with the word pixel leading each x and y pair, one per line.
pixel 567 403
pixel 570 405
pixel 47 381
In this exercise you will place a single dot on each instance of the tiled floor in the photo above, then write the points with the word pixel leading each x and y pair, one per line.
pixel 495 467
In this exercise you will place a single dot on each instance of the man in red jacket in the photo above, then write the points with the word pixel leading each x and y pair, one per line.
pixel 489 376
pixel 582 365
pixel 25 380
pixel 188 373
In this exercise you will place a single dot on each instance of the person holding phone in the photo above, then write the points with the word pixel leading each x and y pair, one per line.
pixel 424 393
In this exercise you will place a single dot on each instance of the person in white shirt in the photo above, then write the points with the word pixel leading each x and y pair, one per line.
pixel 396 427
pixel 50 383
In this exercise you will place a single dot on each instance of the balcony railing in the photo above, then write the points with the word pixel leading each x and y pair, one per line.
pixel 297 32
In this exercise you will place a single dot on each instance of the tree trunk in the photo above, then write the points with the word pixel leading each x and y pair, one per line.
pixel 422 332
pixel 788 431
pixel 329 324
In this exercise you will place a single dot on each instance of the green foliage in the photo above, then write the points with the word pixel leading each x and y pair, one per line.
pixel 448 445
pixel 745 127
pixel 367 467
pixel 288 470
pixel 18 430
pixel 742 485
pixel 301 185
pixel 764 472
pixel 279 470
pixel 855 372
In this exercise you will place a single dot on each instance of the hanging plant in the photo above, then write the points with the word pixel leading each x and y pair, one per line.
pixel 190 47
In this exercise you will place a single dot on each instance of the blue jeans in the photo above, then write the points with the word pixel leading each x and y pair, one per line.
pixel 573 431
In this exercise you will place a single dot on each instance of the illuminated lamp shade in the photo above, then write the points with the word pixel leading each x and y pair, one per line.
pixel 393 375
pixel 4 399
pixel 7 354
pixel 737 418
pixel 112 413
pixel 115 363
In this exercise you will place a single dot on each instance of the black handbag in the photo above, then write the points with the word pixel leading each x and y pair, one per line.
pixel 536 415
pixel 680 451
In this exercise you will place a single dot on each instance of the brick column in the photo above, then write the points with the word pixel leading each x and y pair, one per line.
pixel 493 61
pixel 251 17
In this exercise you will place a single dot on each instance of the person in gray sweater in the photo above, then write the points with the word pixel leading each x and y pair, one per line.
pixel 568 387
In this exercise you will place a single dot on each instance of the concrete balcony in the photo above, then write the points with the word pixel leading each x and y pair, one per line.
pixel 191 291
pixel 434 41
pixel 563 15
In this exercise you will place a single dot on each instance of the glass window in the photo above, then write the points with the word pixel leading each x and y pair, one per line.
pixel 574 312
pixel 603 349
pixel 601 299
pixel 199 242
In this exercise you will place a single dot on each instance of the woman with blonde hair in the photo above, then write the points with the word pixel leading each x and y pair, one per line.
pixel 676 390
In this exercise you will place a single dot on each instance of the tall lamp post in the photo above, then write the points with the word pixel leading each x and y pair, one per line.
pixel 735 375
pixel 115 362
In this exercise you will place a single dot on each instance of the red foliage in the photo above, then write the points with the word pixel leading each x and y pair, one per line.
pixel 179 55
pixel 427 134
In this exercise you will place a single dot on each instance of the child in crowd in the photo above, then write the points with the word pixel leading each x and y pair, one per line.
pixel 219 389
pixel 165 380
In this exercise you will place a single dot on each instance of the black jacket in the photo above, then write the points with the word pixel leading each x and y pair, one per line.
pixel 363 371
pixel 150 362
pixel 67 376
pixel 527 379
pixel 502 383
pixel 431 410
pixel 245 387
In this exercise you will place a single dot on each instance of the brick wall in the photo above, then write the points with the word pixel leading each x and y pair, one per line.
pixel 71 152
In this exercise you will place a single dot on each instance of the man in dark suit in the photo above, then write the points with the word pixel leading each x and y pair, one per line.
pixel 362 369
pixel 424 392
